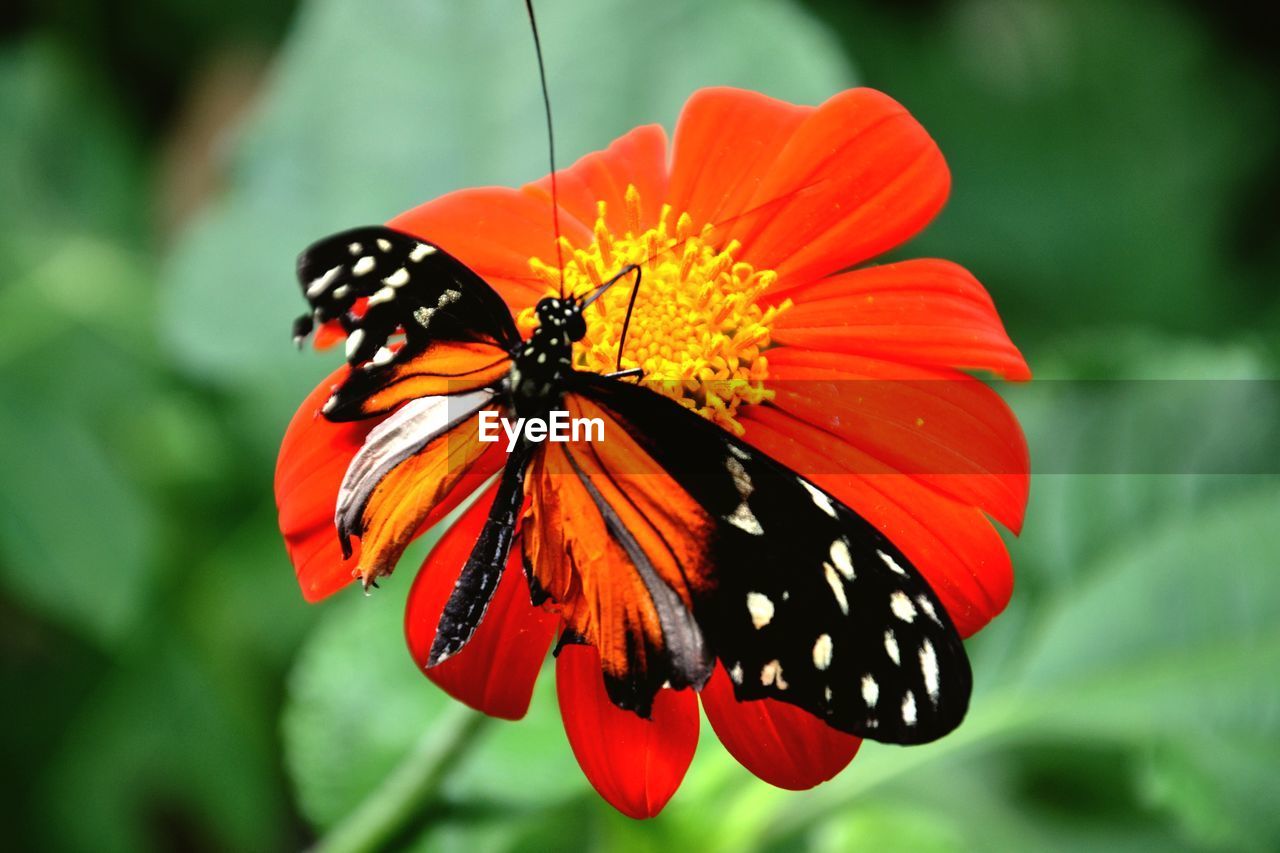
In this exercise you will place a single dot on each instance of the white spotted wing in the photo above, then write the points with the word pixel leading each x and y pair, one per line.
pixel 394 296
pixel 380 282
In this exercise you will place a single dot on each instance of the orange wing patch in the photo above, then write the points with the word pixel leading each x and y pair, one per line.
pixel 443 368
pixel 629 594
pixel 408 494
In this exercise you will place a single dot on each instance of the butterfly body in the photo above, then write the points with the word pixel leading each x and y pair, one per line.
pixel 540 365
pixel 672 546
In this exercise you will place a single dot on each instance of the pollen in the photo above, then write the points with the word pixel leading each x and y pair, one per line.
pixel 698 330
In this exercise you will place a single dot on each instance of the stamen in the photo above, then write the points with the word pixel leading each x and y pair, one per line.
pixel 604 240
pixel 633 210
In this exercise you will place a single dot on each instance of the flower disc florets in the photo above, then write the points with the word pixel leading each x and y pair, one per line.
pixel 697 330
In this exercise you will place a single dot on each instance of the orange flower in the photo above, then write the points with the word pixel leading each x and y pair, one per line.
pixel 755 313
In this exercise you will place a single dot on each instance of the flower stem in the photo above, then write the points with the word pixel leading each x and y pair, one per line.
pixel 414 783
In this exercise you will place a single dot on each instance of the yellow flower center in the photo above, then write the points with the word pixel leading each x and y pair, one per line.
pixel 696 330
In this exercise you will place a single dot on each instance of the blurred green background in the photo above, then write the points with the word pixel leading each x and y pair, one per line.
pixel 1115 182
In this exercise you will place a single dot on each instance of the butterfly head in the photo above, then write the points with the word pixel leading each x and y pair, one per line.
pixel 563 315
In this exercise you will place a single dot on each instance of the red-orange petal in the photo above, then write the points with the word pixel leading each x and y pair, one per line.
pixel 779 743
pixel 725 141
pixel 954 545
pixel 860 176
pixel 927 312
pixel 635 764
pixel 945 429
pixel 638 158
pixel 494 231
pixel 314 456
pixel 495 672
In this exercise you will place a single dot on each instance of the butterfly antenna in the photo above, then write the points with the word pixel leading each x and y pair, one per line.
pixel 551 141
pixel 626 321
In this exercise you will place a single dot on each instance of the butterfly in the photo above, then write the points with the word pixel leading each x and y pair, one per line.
pixel 672 546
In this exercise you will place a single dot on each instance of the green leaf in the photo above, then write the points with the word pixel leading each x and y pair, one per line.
pixel 162 746
pixel 1130 428
pixel 77 382
pixel 1169 635
pixel 56 525
pixel 356 703
pixel 1171 646
pixel 77 529
pixel 870 828
pixel 1218 787
pixel 66 160
pixel 357 707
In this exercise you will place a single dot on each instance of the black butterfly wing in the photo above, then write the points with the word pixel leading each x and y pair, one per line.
pixel 398 298
pixel 808 602
pixel 410 286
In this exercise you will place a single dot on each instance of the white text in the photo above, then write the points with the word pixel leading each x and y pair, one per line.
pixel 557 426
